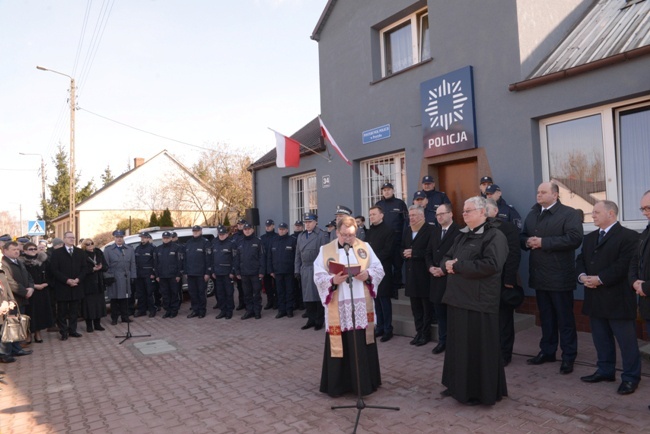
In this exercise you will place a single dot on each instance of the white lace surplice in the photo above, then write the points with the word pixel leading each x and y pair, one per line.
pixel 323 281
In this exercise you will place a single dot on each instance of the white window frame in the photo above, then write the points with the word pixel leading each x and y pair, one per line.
pixel 609 117
pixel 295 211
pixel 397 178
pixel 416 36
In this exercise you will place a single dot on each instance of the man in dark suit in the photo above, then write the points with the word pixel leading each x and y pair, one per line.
pixel 414 246
pixel 380 238
pixel 602 267
pixel 442 238
pixel 68 266
pixel 552 232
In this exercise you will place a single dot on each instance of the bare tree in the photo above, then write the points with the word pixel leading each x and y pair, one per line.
pixel 9 224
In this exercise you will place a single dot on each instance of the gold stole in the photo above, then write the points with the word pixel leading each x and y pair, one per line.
pixel 331 253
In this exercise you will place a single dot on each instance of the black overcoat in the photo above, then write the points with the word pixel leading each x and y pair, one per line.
pixel 19 280
pixel 610 261
pixel 436 249
pixel 65 266
pixel 380 238
pixel 640 270
pixel 417 273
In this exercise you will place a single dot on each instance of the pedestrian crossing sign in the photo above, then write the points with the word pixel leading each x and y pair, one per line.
pixel 36 227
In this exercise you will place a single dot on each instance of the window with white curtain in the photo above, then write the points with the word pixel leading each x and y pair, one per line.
pixel 375 172
pixel 405 42
pixel 600 153
pixel 302 195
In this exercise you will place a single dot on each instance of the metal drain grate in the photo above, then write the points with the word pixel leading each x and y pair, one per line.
pixel 157 346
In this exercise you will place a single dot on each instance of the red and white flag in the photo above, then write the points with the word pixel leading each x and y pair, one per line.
pixel 287 151
pixel 326 135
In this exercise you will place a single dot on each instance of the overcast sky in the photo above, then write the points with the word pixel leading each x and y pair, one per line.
pixel 198 71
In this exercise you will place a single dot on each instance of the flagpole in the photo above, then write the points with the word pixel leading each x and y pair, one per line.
pixel 329 160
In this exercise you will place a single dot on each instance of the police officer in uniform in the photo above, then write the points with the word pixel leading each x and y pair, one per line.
pixel 307 249
pixel 168 270
pixel 395 214
pixel 181 257
pixel 236 237
pixel 483 184
pixel 198 268
pixel 223 272
pixel 435 198
pixel 269 282
pixel 144 286
pixel 507 213
pixel 420 199
pixel 250 265
pixel 342 211
pixel 281 259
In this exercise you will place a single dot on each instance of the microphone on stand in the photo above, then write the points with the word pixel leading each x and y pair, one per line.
pixel 346 247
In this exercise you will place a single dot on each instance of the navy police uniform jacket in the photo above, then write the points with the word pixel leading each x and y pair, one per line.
pixel 249 257
pixel 167 260
pixel 508 213
pixel 144 260
pixel 282 255
pixel 198 257
pixel 223 257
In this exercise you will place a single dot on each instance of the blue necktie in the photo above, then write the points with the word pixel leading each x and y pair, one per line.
pixel 601 235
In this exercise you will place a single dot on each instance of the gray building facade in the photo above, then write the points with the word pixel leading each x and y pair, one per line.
pixel 561 91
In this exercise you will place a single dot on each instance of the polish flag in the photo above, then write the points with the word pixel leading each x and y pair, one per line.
pixel 326 135
pixel 287 151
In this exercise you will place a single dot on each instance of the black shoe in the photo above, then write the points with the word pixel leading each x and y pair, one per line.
pixel 304 315
pixel 445 393
pixel 89 329
pixel 174 315
pixel 473 402
pixel 566 367
pixel 387 337
pixel 216 306
pixel 289 314
pixel 541 358
pixel 113 321
pixel 22 352
pixel 440 348
pixel 422 341
pixel 415 339
pixel 98 326
pixel 139 314
pixel 506 361
pixel 268 306
pixel 221 315
pixel 597 378
pixel 241 307
pixel 247 315
pixel 309 325
pixel 152 314
pixel 379 333
pixel 201 315
pixel 228 316
pixel 258 316
pixel 626 388
pixel 125 320
pixel 318 326
pixel 75 335
pixel 192 314
pixel 167 315
pixel 6 359
pixel 280 315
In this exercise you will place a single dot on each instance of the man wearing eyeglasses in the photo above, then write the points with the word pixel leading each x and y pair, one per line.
pixel 68 265
pixel 552 232
pixel 21 285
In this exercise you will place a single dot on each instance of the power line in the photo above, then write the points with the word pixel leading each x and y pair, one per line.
pixel 145 131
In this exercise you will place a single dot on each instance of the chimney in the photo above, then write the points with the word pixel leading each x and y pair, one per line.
pixel 137 162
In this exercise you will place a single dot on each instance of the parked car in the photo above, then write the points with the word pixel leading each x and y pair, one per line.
pixel 184 234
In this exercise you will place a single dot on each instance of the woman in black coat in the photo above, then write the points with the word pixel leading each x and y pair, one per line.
pixel 93 306
pixel 39 307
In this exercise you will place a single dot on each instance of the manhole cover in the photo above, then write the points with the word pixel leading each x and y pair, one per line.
pixel 158 346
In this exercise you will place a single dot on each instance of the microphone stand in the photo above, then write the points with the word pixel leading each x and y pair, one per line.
pixel 128 334
pixel 360 405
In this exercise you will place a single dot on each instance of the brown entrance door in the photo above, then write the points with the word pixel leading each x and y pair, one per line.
pixel 459 179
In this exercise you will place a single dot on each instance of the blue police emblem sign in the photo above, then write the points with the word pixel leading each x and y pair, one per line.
pixel 447 109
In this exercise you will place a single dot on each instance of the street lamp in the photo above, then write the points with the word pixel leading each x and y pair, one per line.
pixel 73 187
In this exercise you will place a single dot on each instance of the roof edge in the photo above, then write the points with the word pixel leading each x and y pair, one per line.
pixel 580 69
pixel 315 35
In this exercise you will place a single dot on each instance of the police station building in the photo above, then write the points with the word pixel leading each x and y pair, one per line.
pixel 524 91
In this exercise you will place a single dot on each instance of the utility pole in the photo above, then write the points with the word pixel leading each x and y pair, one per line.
pixel 73 186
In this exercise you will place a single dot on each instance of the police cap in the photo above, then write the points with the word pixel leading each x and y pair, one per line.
pixel 299 223
pixel 428 180
pixel 342 209
pixel 196 228
pixel 248 226
pixel 486 179
pixel 270 222
pixel 419 195
pixel 310 217
pixel 491 189
pixel 283 226
pixel 118 233
pixel 167 234
pixel 145 235
pixel 222 230
pixel 387 185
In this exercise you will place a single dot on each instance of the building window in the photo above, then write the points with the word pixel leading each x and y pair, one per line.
pixel 375 172
pixel 600 153
pixel 405 42
pixel 302 195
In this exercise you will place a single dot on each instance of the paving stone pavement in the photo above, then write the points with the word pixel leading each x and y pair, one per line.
pixel 262 376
